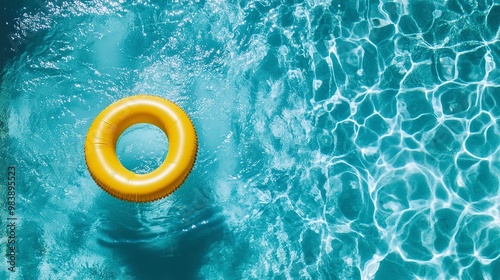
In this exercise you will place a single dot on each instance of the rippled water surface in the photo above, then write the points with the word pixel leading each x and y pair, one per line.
pixel 338 139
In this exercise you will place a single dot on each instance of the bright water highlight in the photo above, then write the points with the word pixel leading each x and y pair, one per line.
pixel 338 139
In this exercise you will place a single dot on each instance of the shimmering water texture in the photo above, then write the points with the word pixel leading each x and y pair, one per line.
pixel 338 140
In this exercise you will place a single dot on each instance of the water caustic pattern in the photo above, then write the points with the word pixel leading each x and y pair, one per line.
pixel 338 139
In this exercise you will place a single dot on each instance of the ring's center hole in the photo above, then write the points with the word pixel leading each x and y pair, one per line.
pixel 142 148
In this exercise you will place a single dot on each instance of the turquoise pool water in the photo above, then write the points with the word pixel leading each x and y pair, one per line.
pixel 338 139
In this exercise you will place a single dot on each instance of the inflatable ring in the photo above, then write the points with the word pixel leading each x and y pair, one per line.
pixel 109 173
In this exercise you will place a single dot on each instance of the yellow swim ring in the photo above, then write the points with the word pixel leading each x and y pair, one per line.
pixel 109 173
